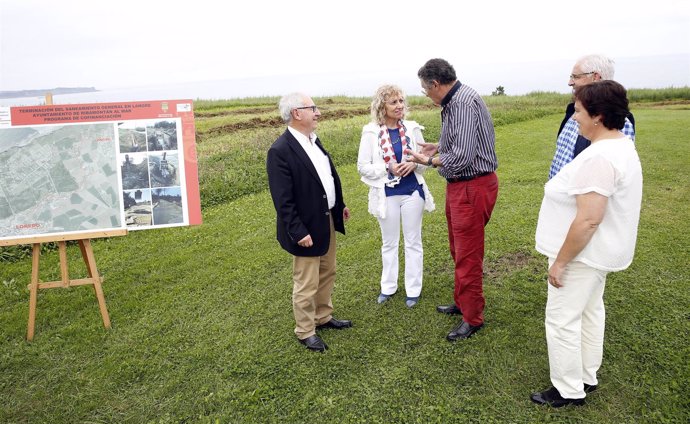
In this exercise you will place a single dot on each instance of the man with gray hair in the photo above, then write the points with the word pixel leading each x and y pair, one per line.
pixel 308 199
pixel 569 143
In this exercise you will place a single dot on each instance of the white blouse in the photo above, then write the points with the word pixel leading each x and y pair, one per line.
pixel 610 168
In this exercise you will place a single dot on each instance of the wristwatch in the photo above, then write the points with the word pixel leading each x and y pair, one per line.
pixel 430 162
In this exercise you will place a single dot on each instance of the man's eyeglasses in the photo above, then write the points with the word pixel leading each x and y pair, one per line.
pixel 426 88
pixel 578 76
pixel 313 108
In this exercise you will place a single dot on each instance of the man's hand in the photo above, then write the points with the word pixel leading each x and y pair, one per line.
pixel 428 149
pixel 346 213
pixel 306 241
pixel 416 157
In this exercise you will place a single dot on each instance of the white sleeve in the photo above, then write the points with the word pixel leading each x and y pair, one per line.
pixel 596 174
pixel 366 165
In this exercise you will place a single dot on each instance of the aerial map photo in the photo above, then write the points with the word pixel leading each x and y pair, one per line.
pixel 58 178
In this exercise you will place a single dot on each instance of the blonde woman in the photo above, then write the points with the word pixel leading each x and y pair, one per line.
pixel 397 190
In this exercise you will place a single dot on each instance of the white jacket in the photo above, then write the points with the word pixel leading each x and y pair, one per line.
pixel 372 168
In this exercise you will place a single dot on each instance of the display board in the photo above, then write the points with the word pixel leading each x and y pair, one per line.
pixel 67 169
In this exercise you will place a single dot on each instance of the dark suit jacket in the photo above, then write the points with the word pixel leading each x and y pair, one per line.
pixel 300 199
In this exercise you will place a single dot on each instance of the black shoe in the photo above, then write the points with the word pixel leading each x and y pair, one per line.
pixel 589 388
pixel 314 343
pixel 463 331
pixel 449 309
pixel 338 324
pixel 552 398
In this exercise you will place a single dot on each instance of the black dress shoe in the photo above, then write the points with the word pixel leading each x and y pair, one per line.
pixel 589 388
pixel 449 309
pixel 553 398
pixel 463 331
pixel 338 324
pixel 314 343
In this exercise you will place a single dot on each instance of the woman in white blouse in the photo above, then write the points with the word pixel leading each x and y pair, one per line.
pixel 397 190
pixel 587 227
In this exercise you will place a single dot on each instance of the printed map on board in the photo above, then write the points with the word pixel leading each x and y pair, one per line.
pixel 58 178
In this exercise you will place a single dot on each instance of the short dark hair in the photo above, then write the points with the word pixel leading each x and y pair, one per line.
pixel 606 98
pixel 437 70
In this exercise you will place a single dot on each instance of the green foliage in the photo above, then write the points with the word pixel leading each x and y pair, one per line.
pixel 206 105
pixel 678 95
pixel 202 321
pixel 499 91
pixel 22 251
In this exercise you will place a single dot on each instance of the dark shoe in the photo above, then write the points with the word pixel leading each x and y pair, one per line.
pixel 463 331
pixel 449 309
pixel 314 343
pixel 338 324
pixel 383 298
pixel 411 301
pixel 589 388
pixel 552 398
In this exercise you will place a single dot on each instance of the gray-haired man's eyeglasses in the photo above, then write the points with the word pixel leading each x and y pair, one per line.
pixel 578 76
pixel 313 108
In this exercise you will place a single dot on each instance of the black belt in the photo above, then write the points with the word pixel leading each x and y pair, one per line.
pixel 467 178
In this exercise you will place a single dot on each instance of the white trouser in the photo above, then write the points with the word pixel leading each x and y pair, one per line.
pixel 574 322
pixel 410 209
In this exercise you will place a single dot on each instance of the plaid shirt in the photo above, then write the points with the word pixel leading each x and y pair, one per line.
pixel 565 144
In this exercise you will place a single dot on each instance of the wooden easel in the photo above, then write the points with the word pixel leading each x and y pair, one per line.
pixel 84 240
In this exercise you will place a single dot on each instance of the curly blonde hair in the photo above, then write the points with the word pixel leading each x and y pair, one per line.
pixel 378 103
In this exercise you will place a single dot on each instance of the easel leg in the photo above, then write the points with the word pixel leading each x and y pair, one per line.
pixel 90 261
pixel 62 249
pixel 33 290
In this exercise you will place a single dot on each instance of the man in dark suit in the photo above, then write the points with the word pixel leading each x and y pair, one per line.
pixel 308 198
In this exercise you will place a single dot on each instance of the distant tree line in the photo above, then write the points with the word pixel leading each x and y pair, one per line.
pixel 499 91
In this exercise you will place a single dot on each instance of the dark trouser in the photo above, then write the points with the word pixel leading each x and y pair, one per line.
pixel 468 208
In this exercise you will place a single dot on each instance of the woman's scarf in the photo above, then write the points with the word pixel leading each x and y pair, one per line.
pixel 389 153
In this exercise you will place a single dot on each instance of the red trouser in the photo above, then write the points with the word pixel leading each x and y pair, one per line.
pixel 468 208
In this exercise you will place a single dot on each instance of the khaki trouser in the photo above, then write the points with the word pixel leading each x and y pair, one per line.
pixel 313 279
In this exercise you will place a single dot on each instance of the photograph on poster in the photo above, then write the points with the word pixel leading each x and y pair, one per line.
pixel 167 205
pixel 132 136
pixel 163 169
pixel 162 135
pixel 137 205
pixel 135 170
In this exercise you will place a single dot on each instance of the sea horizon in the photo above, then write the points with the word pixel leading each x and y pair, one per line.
pixel 515 78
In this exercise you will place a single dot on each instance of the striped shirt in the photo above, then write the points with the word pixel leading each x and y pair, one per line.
pixel 567 138
pixel 467 143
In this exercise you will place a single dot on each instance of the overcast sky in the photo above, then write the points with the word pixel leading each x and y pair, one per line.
pixel 68 43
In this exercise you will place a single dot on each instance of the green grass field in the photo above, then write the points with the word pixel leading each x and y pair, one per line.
pixel 202 318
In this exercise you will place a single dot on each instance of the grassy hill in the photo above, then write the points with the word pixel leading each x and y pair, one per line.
pixel 202 320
